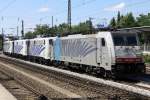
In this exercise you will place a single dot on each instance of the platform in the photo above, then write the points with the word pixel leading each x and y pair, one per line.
pixel 5 94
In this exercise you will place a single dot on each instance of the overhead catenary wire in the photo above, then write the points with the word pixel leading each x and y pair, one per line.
pixel 137 3
pixel 78 6
pixel 98 12
pixel 7 6
pixel 127 6
pixel 73 7
pixel 91 1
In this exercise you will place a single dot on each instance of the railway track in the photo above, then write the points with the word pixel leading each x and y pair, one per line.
pixel 20 90
pixel 77 87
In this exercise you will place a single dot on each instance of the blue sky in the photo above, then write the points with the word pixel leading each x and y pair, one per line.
pixel 40 11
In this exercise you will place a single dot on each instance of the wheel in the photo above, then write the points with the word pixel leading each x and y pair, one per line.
pixel 108 74
pixel 102 72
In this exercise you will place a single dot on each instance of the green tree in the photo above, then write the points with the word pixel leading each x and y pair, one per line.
pixel 128 21
pixel 60 30
pixel 42 30
pixel 125 21
pixel 144 20
pixel 113 23
pixel 30 35
pixel 83 27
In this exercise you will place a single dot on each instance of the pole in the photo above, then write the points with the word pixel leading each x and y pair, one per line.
pixel 52 22
pixel 69 15
pixel 2 34
pixel 90 25
pixel 22 29
pixel 2 31
pixel 40 21
pixel 18 27
pixel 17 31
pixel 3 39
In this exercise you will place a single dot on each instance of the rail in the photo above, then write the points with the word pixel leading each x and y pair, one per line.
pixel 95 85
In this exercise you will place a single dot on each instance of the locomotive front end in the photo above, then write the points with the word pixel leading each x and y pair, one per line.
pixel 128 54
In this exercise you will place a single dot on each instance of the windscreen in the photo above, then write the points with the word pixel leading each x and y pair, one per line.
pixel 125 40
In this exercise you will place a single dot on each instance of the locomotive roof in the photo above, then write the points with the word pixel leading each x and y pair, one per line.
pixel 7 41
pixel 84 36
pixel 79 36
pixel 21 40
pixel 43 38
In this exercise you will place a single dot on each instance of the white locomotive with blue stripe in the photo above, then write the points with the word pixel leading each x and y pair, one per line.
pixel 20 48
pixel 41 49
pixel 105 53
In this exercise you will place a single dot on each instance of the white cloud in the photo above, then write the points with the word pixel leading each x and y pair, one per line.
pixel 43 10
pixel 116 7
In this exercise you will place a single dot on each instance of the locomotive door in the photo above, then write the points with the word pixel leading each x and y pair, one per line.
pixel 99 54
pixel 102 52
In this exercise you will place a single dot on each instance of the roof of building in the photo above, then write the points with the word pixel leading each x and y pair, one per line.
pixel 145 29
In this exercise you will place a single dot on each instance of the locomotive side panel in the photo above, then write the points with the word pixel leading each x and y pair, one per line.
pixel 91 50
pixel 80 51
pixel 42 48
pixel 37 48
pixel 20 47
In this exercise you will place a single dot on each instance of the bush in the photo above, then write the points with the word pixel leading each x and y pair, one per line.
pixel 147 58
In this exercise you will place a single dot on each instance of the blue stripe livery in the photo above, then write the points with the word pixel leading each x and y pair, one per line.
pixel 18 48
pixel 57 49
pixel 36 50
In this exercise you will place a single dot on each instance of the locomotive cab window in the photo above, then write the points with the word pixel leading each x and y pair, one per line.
pixel 125 40
pixel 131 40
pixel 119 41
pixel 103 42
